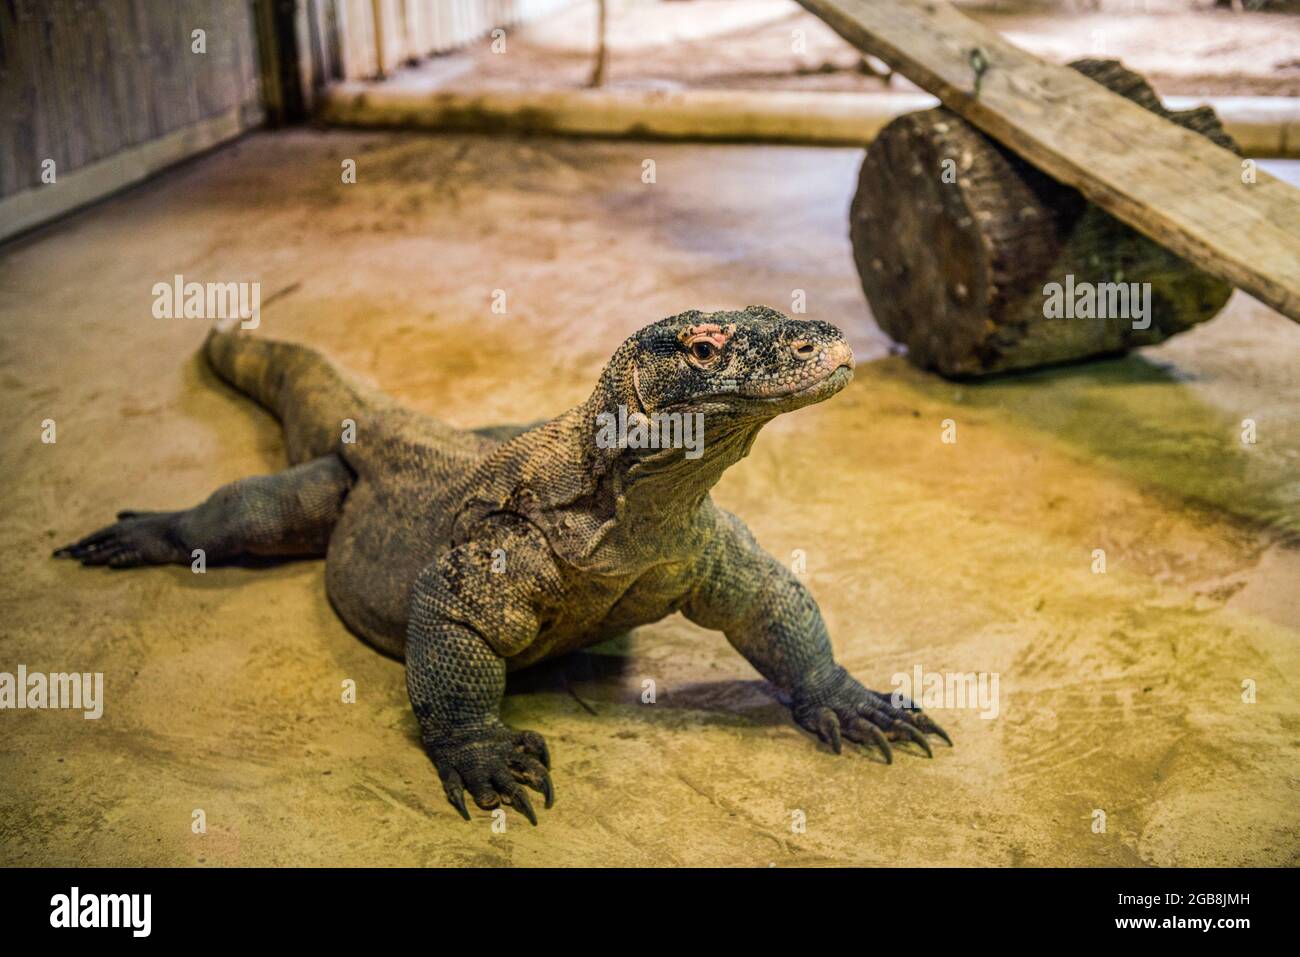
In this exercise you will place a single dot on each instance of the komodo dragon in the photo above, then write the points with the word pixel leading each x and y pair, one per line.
pixel 473 553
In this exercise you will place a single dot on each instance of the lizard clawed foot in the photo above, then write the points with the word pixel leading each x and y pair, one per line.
pixel 842 708
pixel 491 765
pixel 136 538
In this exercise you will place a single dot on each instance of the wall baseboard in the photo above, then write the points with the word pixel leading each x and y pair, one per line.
pixel 42 204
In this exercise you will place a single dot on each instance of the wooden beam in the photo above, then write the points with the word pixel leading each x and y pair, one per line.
pixel 1167 182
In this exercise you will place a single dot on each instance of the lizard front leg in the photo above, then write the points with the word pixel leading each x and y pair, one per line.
pixel 771 619
pixel 290 513
pixel 469 612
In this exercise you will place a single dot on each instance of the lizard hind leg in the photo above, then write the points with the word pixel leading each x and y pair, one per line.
pixel 288 514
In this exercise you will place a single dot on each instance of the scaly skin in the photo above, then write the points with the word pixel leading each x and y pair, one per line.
pixel 473 553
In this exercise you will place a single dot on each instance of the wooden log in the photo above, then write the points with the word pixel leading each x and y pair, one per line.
pixel 1176 187
pixel 981 263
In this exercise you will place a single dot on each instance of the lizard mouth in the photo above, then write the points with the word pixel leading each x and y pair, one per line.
pixel 824 386
pixel 831 372
pixel 825 373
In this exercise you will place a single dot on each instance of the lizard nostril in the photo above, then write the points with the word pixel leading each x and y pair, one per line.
pixel 803 350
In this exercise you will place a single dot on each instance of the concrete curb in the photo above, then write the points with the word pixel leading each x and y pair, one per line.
pixel 1265 126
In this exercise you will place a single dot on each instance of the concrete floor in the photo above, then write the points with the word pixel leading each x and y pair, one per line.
pixel 1119 691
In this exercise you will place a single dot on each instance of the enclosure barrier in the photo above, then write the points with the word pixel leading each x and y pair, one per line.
pixel 363 39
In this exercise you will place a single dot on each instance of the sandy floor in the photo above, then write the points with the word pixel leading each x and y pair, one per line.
pixel 1182 47
pixel 1120 692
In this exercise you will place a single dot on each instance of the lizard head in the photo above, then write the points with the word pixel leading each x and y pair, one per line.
pixel 739 368
pixel 711 380
pixel 680 401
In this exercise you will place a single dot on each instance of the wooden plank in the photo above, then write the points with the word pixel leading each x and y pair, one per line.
pixel 389 35
pixel 419 33
pixel 1169 183
pixel 356 26
pixel 274 96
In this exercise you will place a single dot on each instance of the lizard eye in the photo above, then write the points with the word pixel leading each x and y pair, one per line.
pixel 704 343
pixel 704 350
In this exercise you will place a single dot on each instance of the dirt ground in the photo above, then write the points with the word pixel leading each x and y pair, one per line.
pixel 1119 692
pixel 1182 47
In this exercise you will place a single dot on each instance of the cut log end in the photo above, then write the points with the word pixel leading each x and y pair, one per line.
pixel 980 263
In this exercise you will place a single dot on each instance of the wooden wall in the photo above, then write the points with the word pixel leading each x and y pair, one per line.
pixel 112 91
pixel 82 80
pixel 375 37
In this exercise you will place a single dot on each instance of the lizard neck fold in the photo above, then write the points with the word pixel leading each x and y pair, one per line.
pixel 658 462
pixel 620 480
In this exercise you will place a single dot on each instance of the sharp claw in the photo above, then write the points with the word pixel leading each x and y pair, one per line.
pixel 882 743
pixel 519 801
pixel 455 788
pixel 828 726
pixel 927 724
pixel 457 799
pixel 492 772
pixel 869 736
pixel 911 733
pixel 534 743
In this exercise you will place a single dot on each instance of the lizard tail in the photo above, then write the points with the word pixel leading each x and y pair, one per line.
pixel 304 390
